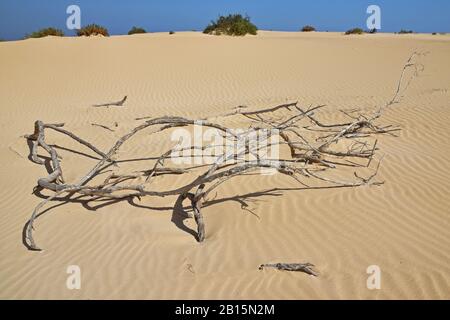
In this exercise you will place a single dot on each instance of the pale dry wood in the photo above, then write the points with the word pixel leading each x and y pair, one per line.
pixel 297 267
pixel 312 156
pixel 108 104
pixel 216 174
pixel 102 126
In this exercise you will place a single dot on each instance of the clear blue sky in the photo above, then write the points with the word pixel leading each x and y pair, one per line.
pixel 19 17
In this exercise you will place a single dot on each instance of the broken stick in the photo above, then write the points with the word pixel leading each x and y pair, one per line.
pixel 117 103
pixel 298 267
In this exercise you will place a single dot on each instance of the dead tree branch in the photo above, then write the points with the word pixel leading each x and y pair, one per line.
pixel 298 267
pixel 108 104
pixel 306 159
pixel 321 155
pixel 102 126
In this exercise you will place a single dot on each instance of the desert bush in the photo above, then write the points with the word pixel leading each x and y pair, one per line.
pixel 136 30
pixel 93 30
pixel 308 28
pixel 355 31
pixel 171 32
pixel 405 31
pixel 232 25
pixel 45 32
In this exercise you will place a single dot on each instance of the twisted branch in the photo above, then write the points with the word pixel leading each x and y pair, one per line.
pixel 315 149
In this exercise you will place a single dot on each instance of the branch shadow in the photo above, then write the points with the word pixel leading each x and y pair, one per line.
pixel 80 153
pixel 179 212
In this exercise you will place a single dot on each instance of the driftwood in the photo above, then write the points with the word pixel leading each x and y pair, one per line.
pixel 308 162
pixel 316 148
pixel 108 104
pixel 298 267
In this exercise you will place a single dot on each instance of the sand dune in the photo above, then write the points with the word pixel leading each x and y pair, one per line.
pixel 144 251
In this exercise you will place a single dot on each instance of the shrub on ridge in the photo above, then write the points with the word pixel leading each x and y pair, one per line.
pixel 405 31
pixel 45 32
pixel 355 31
pixel 93 30
pixel 232 25
pixel 136 30
pixel 308 28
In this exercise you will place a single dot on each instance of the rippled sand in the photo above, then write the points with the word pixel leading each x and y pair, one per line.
pixel 143 251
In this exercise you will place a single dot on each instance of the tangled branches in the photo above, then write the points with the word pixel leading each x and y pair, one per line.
pixel 315 148
pixel 309 158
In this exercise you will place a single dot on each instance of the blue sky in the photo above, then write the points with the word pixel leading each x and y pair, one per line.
pixel 19 17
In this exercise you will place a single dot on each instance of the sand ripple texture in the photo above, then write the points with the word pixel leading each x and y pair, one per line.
pixel 144 251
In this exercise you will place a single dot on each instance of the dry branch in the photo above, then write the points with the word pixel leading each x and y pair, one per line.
pixel 305 157
pixel 298 267
pixel 102 126
pixel 417 67
pixel 108 104
pixel 317 148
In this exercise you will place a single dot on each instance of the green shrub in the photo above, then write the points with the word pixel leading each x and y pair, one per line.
pixel 308 28
pixel 45 32
pixel 135 30
pixel 232 25
pixel 92 30
pixel 434 33
pixel 355 31
pixel 405 31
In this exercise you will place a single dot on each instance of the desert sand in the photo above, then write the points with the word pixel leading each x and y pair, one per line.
pixel 139 252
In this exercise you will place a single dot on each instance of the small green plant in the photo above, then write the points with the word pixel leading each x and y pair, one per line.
pixel 355 31
pixel 171 32
pixel 232 25
pixel 405 31
pixel 92 30
pixel 45 32
pixel 136 30
pixel 308 28
pixel 434 33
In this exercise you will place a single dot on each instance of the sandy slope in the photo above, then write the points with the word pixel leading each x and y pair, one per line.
pixel 127 251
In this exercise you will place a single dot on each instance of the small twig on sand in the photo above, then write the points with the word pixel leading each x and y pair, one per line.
pixel 102 126
pixel 301 267
pixel 117 103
